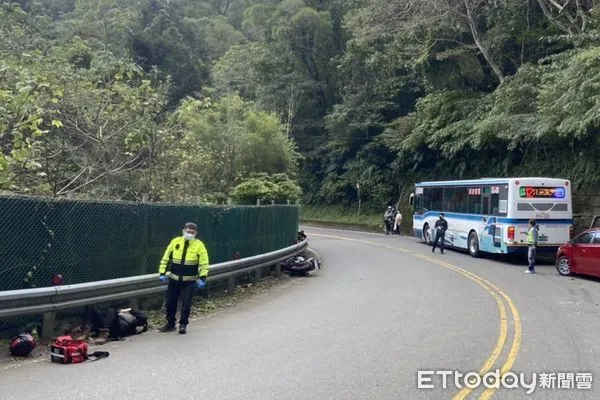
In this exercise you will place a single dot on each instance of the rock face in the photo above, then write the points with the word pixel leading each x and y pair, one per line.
pixel 586 204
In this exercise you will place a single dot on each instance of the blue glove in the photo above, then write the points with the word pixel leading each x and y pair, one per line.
pixel 200 284
pixel 163 278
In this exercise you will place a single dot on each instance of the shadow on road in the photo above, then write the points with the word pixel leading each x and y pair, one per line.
pixel 545 261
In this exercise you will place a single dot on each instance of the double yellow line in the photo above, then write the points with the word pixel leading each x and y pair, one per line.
pixel 499 296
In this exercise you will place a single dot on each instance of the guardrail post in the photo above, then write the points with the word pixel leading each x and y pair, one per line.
pixel 278 269
pixel 48 325
pixel 134 302
pixel 257 274
pixel 231 284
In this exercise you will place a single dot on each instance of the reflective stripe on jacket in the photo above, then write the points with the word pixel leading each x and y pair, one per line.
pixel 188 260
pixel 532 236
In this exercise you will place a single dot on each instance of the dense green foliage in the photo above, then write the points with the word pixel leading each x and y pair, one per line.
pixel 186 100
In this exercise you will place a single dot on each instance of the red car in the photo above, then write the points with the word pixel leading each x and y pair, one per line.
pixel 580 255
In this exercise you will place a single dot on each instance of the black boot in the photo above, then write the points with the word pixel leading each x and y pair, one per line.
pixel 182 329
pixel 168 327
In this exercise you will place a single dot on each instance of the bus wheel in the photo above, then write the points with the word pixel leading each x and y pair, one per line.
pixel 473 245
pixel 427 234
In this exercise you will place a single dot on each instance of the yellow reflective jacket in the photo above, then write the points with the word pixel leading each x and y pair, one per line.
pixel 188 260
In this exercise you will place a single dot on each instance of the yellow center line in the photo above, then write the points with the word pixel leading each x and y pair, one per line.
pixel 489 363
pixel 492 290
pixel 516 345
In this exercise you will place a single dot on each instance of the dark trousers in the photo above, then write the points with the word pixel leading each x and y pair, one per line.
pixel 185 290
pixel 441 237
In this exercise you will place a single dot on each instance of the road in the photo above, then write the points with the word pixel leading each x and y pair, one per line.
pixel 381 309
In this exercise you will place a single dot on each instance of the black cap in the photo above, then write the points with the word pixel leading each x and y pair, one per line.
pixel 190 225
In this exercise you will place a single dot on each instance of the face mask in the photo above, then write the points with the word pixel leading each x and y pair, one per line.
pixel 188 236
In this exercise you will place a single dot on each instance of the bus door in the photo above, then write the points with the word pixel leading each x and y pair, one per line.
pixel 491 234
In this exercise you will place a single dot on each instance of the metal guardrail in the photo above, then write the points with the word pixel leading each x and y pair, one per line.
pixel 49 300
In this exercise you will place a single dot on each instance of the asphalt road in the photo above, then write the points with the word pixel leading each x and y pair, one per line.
pixel 381 309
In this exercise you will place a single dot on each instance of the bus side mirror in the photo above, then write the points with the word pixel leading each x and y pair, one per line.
pixel 411 200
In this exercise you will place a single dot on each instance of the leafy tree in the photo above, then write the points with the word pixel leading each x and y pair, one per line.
pixel 277 188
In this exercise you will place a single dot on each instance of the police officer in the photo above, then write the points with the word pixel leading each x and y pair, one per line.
pixel 188 261
pixel 532 240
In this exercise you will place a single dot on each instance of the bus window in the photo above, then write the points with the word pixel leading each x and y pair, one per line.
pixel 500 201
pixel 426 199
pixel 461 200
pixel 474 204
pixel 495 204
pixel 449 200
pixel 437 198
pixel 486 204
pixel 418 205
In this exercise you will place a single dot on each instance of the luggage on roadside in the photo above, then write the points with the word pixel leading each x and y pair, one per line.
pixel 66 350
pixel 126 322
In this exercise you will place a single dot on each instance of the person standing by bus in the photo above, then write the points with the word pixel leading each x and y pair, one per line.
pixel 397 222
pixel 388 220
pixel 532 240
pixel 441 226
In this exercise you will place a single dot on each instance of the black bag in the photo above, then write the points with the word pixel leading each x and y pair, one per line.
pixel 126 322
pixel 22 345
pixel 92 316
pixel 141 324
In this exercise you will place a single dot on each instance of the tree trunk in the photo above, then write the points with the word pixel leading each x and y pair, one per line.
pixel 480 46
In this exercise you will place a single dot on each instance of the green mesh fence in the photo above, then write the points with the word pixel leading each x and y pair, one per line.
pixel 87 241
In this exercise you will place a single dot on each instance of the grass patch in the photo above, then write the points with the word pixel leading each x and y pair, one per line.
pixel 220 299
pixel 332 215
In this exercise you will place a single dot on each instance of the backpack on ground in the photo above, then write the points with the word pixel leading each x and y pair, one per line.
pixel 126 322
pixel 22 344
pixel 141 321
pixel 66 350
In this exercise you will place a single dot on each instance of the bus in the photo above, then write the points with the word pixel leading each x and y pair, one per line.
pixel 491 215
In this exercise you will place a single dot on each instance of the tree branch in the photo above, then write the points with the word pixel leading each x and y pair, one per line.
pixel 480 45
pixel 105 173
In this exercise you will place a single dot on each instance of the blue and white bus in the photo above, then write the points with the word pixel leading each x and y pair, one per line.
pixel 492 215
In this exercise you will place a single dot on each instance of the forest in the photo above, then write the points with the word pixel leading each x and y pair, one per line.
pixel 203 101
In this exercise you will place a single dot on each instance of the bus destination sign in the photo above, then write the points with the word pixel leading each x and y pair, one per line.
pixel 542 192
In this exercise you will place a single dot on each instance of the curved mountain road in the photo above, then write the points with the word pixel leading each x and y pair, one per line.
pixel 381 309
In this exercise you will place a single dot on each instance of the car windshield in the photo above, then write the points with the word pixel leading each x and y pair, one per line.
pixel 584 238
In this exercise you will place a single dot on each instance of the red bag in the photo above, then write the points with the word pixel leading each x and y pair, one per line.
pixel 66 350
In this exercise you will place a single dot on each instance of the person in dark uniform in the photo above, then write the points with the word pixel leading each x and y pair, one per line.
pixel 188 261
pixel 441 226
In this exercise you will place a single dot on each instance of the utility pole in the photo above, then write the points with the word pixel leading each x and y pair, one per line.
pixel 358 190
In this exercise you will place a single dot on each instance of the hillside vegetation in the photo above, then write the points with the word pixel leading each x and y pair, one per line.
pixel 186 100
